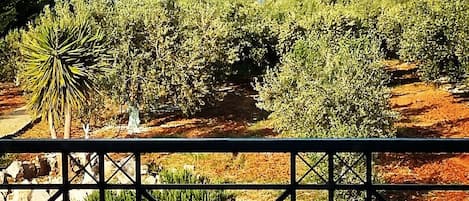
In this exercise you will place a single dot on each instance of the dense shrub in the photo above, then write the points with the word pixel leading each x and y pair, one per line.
pixel 435 35
pixel 10 57
pixel 169 52
pixel 172 177
pixel 390 29
pixel 329 89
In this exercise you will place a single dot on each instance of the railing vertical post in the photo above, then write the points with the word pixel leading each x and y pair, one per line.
pixel 369 174
pixel 293 176
pixel 102 181
pixel 330 171
pixel 138 178
pixel 65 181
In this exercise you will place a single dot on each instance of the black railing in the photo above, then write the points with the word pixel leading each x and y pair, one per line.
pixel 364 149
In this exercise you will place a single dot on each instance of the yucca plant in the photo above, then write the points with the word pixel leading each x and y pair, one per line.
pixel 62 54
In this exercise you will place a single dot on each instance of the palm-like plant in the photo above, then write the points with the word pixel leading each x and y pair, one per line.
pixel 62 54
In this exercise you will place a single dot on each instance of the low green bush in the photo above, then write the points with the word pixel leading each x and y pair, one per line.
pixel 10 57
pixel 172 177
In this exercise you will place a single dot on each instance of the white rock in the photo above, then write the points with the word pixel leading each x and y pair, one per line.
pixel 79 195
pixel 40 195
pixel 22 195
pixel 14 169
pixel 52 160
pixel 150 180
pixel 87 178
pixel 3 195
pixel 2 177
pixel 189 167
pixel 129 168
pixel 144 169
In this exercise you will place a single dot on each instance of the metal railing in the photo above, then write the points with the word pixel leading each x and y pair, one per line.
pixel 330 147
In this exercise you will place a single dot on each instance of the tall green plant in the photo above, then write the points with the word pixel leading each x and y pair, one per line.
pixel 329 87
pixel 62 53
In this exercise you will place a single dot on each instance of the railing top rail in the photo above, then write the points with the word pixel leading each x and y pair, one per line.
pixel 236 145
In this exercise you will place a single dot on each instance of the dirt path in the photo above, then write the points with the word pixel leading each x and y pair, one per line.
pixel 428 112
pixel 13 115
pixel 13 122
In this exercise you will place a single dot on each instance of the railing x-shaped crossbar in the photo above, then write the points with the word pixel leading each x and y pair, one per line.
pixel 328 151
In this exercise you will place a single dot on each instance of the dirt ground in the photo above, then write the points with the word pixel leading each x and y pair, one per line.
pixel 10 97
pixel 427 111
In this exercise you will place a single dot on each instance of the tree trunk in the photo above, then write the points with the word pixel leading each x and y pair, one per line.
pixel 134 119
pixel 53 134
pixel 68 121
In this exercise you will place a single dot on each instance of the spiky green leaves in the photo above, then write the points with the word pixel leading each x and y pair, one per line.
pixel 62 55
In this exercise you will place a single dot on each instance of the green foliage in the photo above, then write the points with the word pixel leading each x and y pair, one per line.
pixel 390 29
pixel 172 177
pixel 178 52
pixel 329 87
pixel 6 159
pixel 168 52
pixel 62 53
pixel 435 34
pixel 9 56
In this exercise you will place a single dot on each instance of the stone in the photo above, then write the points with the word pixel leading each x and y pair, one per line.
pixel 29 171
pixel 80 195
pixel 22 195
pixel 4 194
pixel 2 177
pixel 44 167
pixel 144 170
pixel 52 160
pixel 129 168
pixel 14 169
pixel 189 167
pixel 149 179
pixel 40 194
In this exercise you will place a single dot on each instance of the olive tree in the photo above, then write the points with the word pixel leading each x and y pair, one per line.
pixel 166 53
pixel 328 87
pixel 435 36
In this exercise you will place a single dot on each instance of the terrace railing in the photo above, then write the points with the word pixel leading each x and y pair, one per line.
pixel 366 149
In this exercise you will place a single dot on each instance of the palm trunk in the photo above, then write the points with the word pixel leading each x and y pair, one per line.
pixel 68 121
pixel 53 134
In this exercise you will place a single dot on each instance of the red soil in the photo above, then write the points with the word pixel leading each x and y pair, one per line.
pixel 428 112
pixel 10 97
